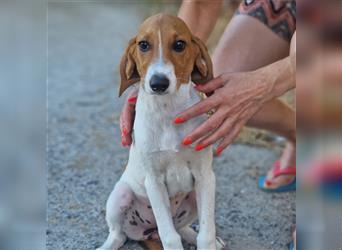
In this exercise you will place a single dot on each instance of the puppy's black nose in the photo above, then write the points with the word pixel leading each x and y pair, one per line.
pixel 159 83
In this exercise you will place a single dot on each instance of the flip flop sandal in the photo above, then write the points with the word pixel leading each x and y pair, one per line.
pixel 291 245
pixel 277 171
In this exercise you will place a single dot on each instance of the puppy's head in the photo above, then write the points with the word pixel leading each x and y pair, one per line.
pixel 163 55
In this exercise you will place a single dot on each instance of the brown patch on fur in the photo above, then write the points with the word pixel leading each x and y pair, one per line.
pixel 194 61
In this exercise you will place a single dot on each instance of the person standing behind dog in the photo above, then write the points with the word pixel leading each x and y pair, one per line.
pixel 257 42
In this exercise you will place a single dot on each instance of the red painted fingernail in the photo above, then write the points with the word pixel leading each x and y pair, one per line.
pixel 178 120
pixel 124 131
pixel 132 99
pixel 219 151
pixel 123 142
pixel 187 141
pixel 199 147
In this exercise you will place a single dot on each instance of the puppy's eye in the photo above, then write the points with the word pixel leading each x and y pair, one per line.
pixel 144 46
pixel 178 46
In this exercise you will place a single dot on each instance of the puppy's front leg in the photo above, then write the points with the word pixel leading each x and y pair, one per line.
pixel 205 196
pixel 159 199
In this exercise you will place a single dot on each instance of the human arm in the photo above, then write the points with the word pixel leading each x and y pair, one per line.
pixel 200 16
pixel 237 97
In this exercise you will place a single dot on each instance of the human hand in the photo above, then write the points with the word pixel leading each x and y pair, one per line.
pixel 237 97
pixel 127 118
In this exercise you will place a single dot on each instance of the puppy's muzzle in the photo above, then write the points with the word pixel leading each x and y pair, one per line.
pixel 159 83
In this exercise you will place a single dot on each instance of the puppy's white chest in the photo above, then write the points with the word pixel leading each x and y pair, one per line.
pixel 154 129
pixel 157 149
pixel 178 178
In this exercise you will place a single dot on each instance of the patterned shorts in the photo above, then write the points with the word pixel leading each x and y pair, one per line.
pixel 278 15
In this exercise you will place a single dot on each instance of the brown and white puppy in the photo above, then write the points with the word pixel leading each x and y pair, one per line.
pixel 165 185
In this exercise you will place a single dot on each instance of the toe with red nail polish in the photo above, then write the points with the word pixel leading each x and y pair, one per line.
pixel 268 183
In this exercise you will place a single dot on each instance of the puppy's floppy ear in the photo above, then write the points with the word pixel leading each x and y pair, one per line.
pixel 203 67
pixel 128 68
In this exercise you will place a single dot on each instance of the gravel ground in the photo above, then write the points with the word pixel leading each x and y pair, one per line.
pixel 85 157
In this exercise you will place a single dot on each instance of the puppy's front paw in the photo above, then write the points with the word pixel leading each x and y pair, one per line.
pixel 220 244
pixel 172 241
pixel 206 241
pixel 103 248
pixel 113 242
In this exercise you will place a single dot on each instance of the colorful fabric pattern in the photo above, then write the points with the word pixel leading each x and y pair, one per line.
pixel 278 15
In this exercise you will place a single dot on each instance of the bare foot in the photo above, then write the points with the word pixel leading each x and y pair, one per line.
pixel 288 159
pixel 294 240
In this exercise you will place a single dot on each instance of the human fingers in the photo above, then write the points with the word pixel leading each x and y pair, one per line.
pixel 210 86
pixel 218 134
pixel 207 127
pixel 127 118
pixel 197 109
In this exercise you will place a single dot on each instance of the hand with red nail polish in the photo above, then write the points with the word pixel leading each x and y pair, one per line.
pixel 236 98
pixel 127 118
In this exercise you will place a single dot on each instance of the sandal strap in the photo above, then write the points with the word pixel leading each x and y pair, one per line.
pixel 277 171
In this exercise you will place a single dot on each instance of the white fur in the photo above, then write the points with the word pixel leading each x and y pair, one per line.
pixel 161 66
pixel 160 110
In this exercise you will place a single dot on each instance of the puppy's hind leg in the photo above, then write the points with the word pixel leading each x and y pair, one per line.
pixel 118 202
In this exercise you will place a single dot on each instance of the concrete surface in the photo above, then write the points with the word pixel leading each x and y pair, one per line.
pixel 85 157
